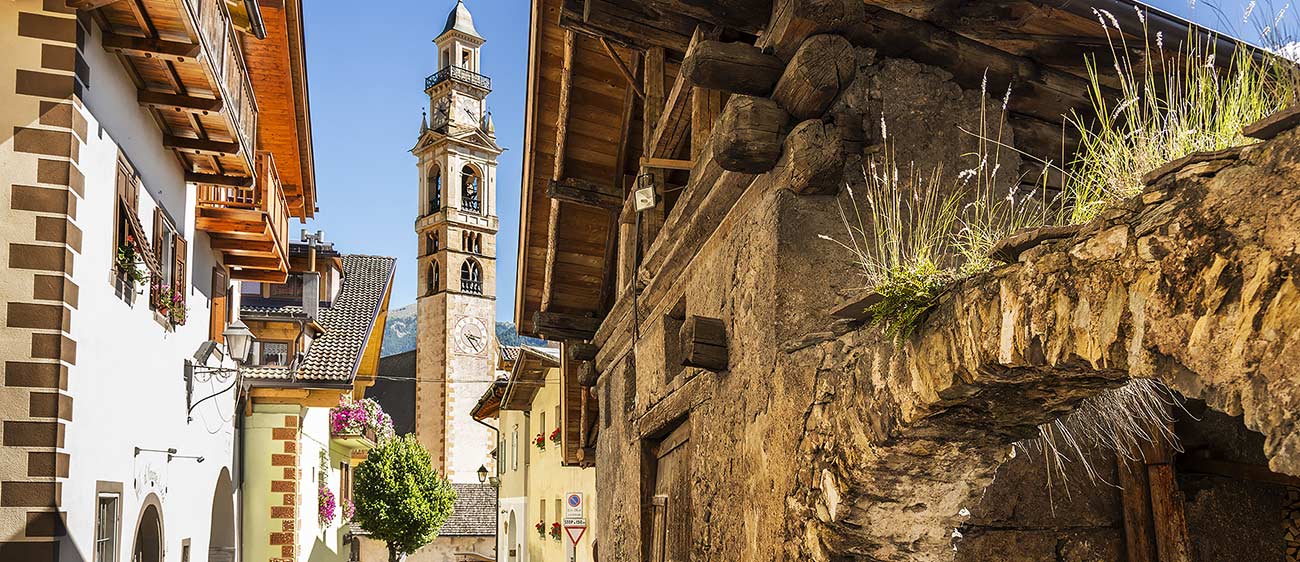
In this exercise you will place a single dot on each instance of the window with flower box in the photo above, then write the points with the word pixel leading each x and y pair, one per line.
pixel 167 290
pixel 133 262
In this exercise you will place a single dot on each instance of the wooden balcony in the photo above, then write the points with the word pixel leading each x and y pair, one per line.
pixel 249 225
pixel 187 63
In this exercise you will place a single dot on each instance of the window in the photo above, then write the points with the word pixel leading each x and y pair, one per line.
pixel 272 353
pixel 106 521
pixel 471 278
pixel 130 246
pixel 435 189
pixel 470 184
pixel 541 427
pixel 250 288
pixel 471 242
pixel 168 289
pixel 558 506
pixel 541 510
pixel 467 59
pixel 514 448
pixel 431 243
pixel 290 289
pixel 432 279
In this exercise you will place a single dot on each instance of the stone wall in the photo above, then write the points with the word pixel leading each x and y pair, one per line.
pixel 821 441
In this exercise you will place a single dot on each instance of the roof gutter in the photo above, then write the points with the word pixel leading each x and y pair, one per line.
pixel 255 19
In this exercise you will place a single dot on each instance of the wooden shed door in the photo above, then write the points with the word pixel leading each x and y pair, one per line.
pixel 670 502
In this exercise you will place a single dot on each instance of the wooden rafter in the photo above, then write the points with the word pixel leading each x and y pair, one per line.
pixel 622 68
pixel 561 130
pixel 174 102
pixel 151 48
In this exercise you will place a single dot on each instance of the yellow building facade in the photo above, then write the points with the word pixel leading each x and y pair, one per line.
pixel 535 481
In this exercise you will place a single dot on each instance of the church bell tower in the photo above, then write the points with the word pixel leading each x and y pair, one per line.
pixel 457 158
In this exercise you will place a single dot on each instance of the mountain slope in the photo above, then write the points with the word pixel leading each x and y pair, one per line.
pixel 402 326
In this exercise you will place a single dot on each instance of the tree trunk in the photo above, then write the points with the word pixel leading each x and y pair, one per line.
pixel 395 555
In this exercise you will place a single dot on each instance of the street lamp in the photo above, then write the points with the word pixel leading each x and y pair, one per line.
pixel 239 341
pixel 482 474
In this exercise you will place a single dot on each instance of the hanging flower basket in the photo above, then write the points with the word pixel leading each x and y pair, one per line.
pixel 541 528
pixel 325 505
pixel 555 436
pixel 360 418
pixel 540 441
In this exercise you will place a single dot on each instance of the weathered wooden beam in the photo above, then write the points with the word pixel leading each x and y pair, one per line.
pixel 628 22
pixel 732 67
pixel 813 159
pixel 748 16
pixel 587 374
pixel 819 69
pixel 704 343
pixel 557 171
pixel 670 129
pixel 585 193
pixel 579 351
pixel 259 275
pixel 652 72
pixel 793 21
pixel 218 179
pixel 749 135
pixel 201 146
pixel 151 48
pixel 622 68
pixel 1169 514
pixel 174 102
pixel 559 326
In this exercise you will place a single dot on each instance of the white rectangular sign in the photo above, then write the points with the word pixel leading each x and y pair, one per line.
pixel 573 508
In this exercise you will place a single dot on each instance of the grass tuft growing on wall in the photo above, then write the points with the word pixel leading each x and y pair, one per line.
pixel 1168 107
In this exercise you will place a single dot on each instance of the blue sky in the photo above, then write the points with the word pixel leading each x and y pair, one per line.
pixel 366 69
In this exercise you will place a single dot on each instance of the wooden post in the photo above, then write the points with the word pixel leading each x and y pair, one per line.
pixel 1135 496
pixel 706 104
pixel 652 220
pixel 749 134
pixel 732 67
pixel 820 68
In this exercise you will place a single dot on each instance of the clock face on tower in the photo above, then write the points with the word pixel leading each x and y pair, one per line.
pixel 470 336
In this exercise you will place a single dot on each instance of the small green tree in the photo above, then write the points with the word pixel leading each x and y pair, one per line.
pixel 400 499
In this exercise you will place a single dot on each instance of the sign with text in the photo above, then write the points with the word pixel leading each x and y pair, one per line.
pixel 575 528
pixel 573 508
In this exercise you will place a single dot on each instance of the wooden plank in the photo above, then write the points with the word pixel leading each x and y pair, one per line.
pixel 1139 528
pixel 704 343
pixel 706 105
pixel 622 68
pixel 259 275
pixel 152 48
pixel 250 262
pixel 239 245
pixel 584 193
pixel 667 164
pixel 175 102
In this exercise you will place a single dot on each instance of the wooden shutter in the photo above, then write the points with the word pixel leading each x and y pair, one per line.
pixel 179 257
pixel 158 240
pixel 220 306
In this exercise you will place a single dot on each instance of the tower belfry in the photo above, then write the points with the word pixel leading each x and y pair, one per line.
pixel 456 233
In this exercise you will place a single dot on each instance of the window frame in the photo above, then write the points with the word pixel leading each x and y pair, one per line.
pixel 258 353
pixel 107 491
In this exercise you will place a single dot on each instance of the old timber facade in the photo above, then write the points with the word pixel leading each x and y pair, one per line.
pixel 154 152
pixel 732 416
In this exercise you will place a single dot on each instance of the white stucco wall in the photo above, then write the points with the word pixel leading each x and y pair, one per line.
pixel 128 386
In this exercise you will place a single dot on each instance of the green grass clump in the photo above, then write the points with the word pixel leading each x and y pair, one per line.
pixel 899 231
pixel 1168 108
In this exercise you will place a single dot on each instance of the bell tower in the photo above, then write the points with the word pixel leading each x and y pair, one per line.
pixel 456 232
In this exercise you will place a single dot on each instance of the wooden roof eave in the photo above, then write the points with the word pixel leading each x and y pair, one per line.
pixel 525 325
pixel 298 63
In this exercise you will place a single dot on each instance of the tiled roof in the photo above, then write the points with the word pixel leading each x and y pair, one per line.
pixel 509 352
pixel 348 322
pixel 473 515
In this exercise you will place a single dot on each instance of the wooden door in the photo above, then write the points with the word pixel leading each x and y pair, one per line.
pixel 220 306
pixel 669 505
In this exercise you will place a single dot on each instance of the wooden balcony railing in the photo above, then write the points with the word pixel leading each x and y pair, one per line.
pixel 226 64
pixel 254 220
